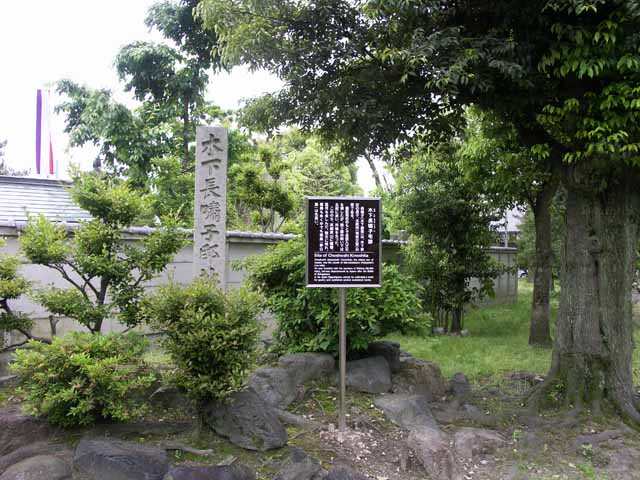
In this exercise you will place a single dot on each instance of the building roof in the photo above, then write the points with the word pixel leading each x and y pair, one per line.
pixel 22 196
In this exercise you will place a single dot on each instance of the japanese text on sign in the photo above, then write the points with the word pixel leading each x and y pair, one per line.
pixel 210 202
pixel 343 242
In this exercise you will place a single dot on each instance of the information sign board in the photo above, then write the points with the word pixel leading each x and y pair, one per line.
pixel 343 242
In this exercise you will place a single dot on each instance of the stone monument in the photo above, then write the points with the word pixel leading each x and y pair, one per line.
pixel 210 205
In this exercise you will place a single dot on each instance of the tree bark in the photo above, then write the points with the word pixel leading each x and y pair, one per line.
pixel 456 320
pixel 594 341
pixel 539 331
pixel 374 171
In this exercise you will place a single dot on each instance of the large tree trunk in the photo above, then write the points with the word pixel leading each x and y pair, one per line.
pixel 456 320
pixel 539 332
pixel 594 340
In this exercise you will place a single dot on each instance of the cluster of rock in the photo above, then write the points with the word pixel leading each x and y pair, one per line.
pixel 253 419
pixel 30 452
pixel 405 385
pixel 416 384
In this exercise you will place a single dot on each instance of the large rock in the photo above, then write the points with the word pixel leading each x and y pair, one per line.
pixel 276 386
pixel 475 441
pixel 433 449
pixel 208 472
pixel 406 410
pixel 308 366
pixel 169 397
pixel 18 430
pixel 300 466
pixel 246 420
pixel 40 467
pixel 105 459
pixel 387 349
pixel 369 375
pixel 8 381
pixel 460 387
pixel 420 377
pixel 344 473
pixel 32 450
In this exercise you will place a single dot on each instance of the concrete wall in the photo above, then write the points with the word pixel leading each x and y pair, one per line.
pixel 239 246
pixel 506 285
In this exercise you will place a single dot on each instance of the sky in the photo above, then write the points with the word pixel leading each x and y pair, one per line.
pixel 44 41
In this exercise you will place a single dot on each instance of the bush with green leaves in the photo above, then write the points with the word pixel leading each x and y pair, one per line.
pixel 211 337
pixel 450 222
pixel 81 378
pixel 104 273
pixel 308 317
pixel 12 286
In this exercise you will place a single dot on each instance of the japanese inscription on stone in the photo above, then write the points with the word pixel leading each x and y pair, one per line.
pixel 343 242
pixel 209 234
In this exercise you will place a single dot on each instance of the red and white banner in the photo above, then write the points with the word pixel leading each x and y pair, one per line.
pixel 44 147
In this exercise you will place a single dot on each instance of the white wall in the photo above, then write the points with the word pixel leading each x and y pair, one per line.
pixel 239 246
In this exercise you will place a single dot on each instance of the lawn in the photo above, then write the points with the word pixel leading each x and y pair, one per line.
pixel 497 342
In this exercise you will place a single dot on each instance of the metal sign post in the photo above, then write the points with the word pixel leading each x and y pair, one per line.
pixel 343 251
pixel 342 293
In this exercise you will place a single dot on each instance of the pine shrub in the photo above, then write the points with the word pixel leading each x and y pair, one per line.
pixel 83 378
pixel 210 336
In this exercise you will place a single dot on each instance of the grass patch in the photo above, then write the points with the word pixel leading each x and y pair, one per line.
pixel 497 342
pixel 157 357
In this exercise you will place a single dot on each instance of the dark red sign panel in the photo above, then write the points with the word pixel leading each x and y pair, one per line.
pixel 343 242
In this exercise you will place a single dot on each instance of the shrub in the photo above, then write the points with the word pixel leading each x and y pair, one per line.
pixel 308 317
pixel 81 378
pixel 210 336
pixel 104 275
pixel 12 286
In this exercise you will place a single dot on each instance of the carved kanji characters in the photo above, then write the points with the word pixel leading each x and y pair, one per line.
pixel 211 211
pixel 210 146
pixel 209 251
pixel 210 188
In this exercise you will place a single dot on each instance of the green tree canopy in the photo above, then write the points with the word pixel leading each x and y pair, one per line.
pixel 451 226
pixel 564 73
pixel 268 184
pixel 150 144
pixel 105 273
pixel 176 21
pixel 339 78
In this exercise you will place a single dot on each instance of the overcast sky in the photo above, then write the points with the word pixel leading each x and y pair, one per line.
pixel 78 39
pixel 45 41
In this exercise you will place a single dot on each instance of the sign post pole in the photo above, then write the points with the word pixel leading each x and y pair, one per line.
pixel 342 293
pixel 344 250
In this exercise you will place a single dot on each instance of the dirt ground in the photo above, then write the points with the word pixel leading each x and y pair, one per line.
pixel 551 445
pixel 554 445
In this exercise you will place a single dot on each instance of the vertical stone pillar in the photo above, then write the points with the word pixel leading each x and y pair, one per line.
pixel 210 205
